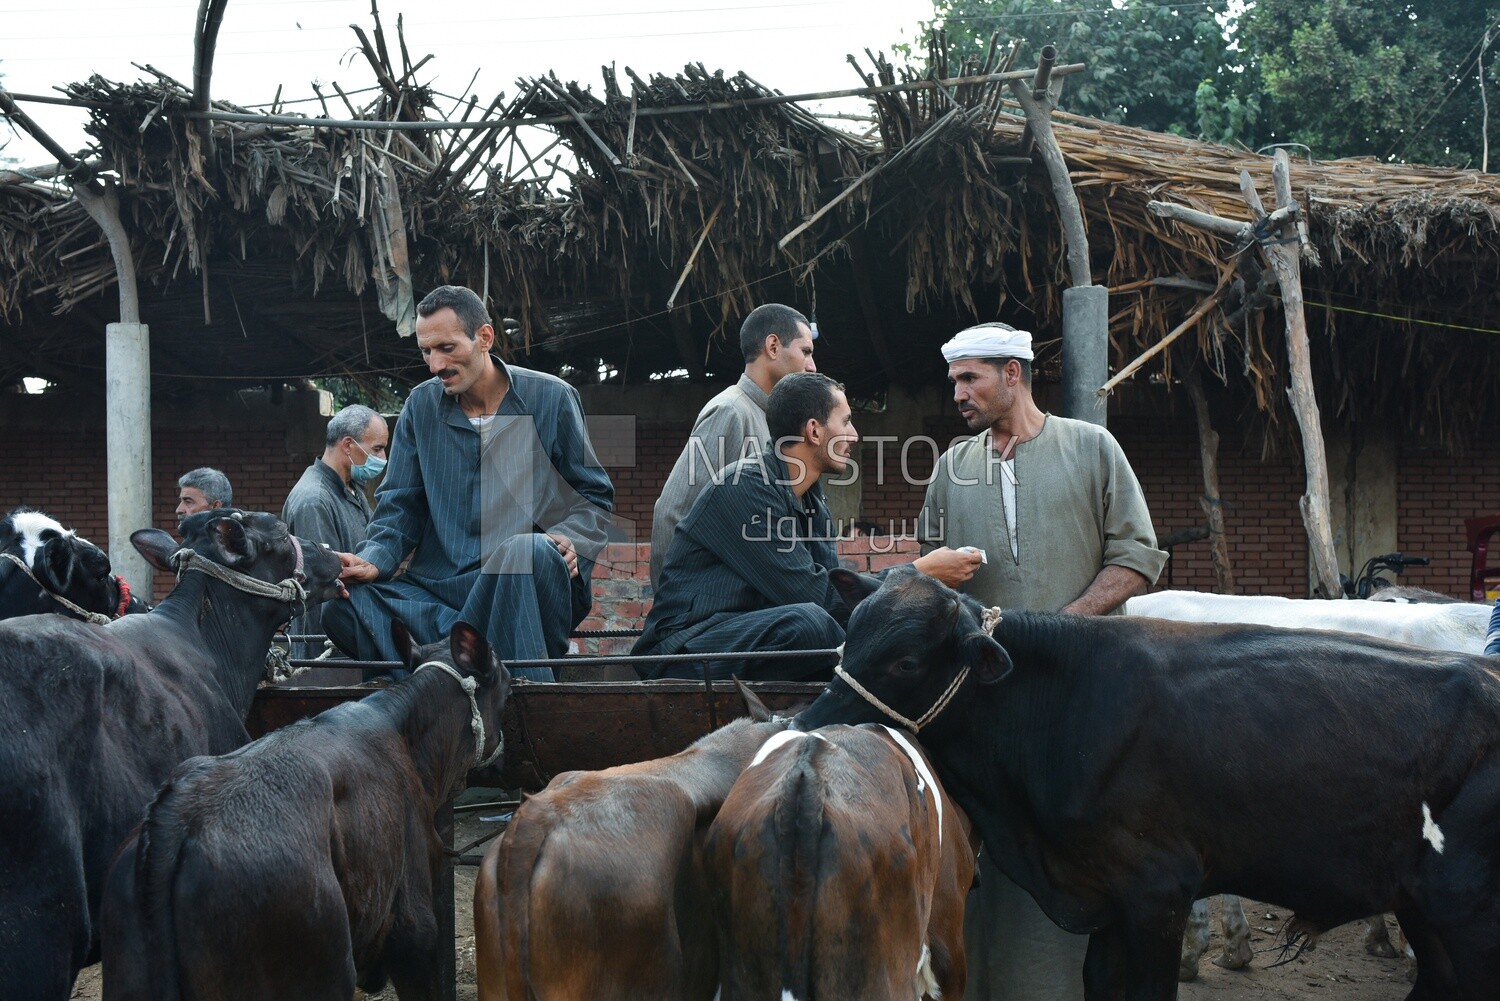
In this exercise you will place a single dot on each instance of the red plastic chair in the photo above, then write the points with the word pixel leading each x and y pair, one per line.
pixel 1484 576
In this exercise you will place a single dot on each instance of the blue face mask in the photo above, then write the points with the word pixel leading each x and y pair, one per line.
pixel 366 471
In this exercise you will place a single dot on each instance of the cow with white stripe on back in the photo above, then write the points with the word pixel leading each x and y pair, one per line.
pixel 838 868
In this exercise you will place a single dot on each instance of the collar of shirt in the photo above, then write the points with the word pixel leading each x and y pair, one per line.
pixel 332 476
pixel 752 392
pixel 514 402
pixel 778 473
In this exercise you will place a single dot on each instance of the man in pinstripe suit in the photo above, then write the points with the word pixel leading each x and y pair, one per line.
pixel 747 569
pixel 493 490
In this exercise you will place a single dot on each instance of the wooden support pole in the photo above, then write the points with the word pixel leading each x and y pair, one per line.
pixel 1215 224
pixel 1211 501
pixel 1039 120
pixel 1285 262
pixel 1316 515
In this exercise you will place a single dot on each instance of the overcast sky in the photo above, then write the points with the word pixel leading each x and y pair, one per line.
pixel 793 45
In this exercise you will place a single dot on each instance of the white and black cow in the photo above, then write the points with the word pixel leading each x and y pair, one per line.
pixel 1359 776
pixel 45 567
pixel 93 719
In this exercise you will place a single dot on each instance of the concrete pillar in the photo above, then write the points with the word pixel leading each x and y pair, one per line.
pixel 1362 467
pixel 1085 352
pixel 127 421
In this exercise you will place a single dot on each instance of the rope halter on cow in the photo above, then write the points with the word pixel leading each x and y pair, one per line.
pixel 291 591
pixel 97 618
pixel 476 721
pixel 992 617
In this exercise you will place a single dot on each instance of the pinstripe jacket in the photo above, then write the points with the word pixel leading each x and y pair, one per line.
pixel 748 543
pixel 447 499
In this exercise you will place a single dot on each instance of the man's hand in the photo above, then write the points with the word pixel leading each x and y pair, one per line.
pixel 356 571
pixel 569 554
pixel 949 565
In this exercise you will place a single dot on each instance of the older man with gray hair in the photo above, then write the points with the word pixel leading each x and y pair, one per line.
pixel 1062 525
pixel 202 489
pixel 328 504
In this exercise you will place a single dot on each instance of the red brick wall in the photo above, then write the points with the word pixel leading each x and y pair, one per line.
pixel 1262 522
pixel 63 473
pixel 1434 494
pixel 60 469
pixel 657 445
pixel 622 584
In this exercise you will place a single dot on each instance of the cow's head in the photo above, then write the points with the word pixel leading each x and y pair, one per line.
pixel 911 647
pixel 468 652
pixel 80 571
pixel 63 565
pixel 253 543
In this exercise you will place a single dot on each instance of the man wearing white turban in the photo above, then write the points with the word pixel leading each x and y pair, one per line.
pixel 1064 526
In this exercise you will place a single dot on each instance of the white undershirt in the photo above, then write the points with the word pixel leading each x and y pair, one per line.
pixel 1008 498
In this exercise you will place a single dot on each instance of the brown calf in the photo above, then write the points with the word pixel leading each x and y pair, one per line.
pixel 595 891
pixel 838 869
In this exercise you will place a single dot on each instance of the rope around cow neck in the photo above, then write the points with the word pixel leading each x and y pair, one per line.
pixel 289 590
pixel 476 721
pixel 990 620
pixel 97 618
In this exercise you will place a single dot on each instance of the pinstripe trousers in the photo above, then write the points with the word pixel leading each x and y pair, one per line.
pixel 802 626
pixel 523 601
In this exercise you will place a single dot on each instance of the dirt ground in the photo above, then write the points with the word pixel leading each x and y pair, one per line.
pixel 1337 970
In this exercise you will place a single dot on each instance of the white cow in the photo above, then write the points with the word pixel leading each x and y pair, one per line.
pixel 1456 626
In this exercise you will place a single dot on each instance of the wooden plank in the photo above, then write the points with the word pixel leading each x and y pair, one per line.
pixel 551 728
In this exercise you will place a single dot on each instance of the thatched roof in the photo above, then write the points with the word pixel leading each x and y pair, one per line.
pixel 305 244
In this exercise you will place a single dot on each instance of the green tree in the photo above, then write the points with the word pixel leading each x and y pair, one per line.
pixel 1385 78
pixel 1153 65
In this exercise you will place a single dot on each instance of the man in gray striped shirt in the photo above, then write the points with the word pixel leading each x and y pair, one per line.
pixel 776 341
pixel 493 490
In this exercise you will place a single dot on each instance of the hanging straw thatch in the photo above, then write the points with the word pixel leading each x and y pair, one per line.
pixel 647 220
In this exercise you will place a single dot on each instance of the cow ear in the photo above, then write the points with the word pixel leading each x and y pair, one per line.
pixel 853 587
pixel 471 651
pixel 401 638
pixel 753 705
pixel 157 547
pixel 233 542
pixel 986 658
pixel 55 563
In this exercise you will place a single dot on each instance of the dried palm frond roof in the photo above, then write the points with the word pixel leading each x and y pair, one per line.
pixel 653 217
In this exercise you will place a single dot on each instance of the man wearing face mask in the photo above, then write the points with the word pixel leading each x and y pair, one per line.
pixel 328 504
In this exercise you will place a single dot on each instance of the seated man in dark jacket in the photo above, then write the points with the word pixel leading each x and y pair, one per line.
pixel 747 569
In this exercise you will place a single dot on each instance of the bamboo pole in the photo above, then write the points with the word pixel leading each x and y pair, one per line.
pixel 688 267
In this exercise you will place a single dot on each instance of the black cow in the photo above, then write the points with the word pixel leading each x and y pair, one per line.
pixel 1362 775
pixel 94 718
pixel 45 567
pixel 305 863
